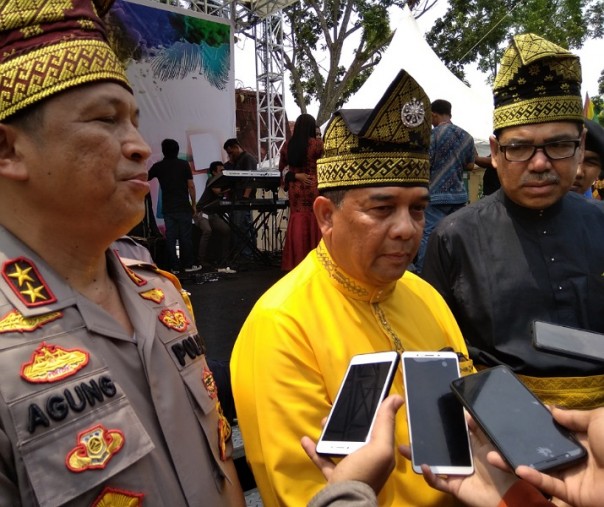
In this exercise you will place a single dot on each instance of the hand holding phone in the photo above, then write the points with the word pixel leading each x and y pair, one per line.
pixel 516 422
pixel 437 427
pixel 366 383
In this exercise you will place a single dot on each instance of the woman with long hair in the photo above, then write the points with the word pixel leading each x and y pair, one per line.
pixel 299 155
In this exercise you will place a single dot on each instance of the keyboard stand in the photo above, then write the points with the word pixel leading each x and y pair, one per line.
pixel 259 223
pixel 246 240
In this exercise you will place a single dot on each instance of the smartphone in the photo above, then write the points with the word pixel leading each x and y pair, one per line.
pixel 437 426
pixel 366 383
pixel 568 341
pixel 516 422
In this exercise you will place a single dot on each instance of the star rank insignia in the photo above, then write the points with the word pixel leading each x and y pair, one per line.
pixel 27 283
pixel 95 447
pixel 174 319
pixel 155 295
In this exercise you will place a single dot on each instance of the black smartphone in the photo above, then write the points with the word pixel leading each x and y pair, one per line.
pixel 517 423
pixel 437 427
pixel 568 341
pixel 366 383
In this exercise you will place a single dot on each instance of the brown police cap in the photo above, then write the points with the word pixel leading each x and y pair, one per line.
pixel 47 46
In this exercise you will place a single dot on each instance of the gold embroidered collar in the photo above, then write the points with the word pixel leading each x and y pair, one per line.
pixel 348 285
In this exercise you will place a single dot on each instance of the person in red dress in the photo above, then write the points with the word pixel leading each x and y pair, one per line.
pixel 298 167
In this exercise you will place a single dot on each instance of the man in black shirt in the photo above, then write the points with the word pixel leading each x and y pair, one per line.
pixel 177 187
pixel 528 251
pixel 242 219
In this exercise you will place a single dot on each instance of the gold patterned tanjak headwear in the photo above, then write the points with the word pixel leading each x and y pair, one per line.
pixel 384 146
pixel 47 46
pixel 537 82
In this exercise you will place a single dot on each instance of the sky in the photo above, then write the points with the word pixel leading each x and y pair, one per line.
pixel 591 61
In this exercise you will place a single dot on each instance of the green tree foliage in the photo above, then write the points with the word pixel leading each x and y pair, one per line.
pixel 322 34
pixel 196 30
pixel 598 100
pixel 479 30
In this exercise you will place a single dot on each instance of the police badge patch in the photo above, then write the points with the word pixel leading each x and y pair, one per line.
pixel 95 447
pixel 174 319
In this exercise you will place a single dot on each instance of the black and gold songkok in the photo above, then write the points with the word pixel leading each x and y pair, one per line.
pixel 384 146
pixel 594 140
pixel 537 82
pixel 47 46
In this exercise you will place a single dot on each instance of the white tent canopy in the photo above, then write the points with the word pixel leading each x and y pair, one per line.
pixel 410 51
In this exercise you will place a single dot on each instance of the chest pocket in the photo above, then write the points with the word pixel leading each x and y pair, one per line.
pixel 94 448
pixel 72 424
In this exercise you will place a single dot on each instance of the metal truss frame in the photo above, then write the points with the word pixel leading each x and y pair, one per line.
pixel 270 89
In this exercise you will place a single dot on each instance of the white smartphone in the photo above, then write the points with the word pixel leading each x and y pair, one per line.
pixel 438 432
pixel 366 383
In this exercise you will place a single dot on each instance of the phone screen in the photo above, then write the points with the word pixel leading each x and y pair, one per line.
pixel 517 423
pixel 579 343
pixel 438 431
pixel 359 397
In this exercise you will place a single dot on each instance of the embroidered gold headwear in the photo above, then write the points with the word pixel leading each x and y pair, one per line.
pixel 537 82
pixel 384 146
pixel 47 46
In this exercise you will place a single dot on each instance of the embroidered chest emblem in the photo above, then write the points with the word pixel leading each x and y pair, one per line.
pixel 15 321
pixel 95 447
pixel 27 283
pixel 50 363
pixel 114 497
pixel 174 319
pixel 155 295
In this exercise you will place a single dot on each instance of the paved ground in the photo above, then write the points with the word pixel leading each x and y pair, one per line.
pixel 222 302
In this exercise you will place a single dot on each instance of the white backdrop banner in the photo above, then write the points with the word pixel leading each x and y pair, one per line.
pixel 180 66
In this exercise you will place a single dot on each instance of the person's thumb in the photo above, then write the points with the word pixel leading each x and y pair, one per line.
pixel 386 417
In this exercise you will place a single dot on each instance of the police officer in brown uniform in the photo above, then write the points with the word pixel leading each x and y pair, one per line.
pixel 105 394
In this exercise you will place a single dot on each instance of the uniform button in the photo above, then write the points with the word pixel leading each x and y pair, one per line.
pixel 544 232
pixel 552 259
pixel 559 287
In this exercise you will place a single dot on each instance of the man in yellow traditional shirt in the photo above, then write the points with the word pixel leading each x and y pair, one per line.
pixel 350 295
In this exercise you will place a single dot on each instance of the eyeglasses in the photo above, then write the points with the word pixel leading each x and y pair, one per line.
pixel 555 150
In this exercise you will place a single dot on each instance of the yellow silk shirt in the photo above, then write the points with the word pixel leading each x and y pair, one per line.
pixel 292 353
